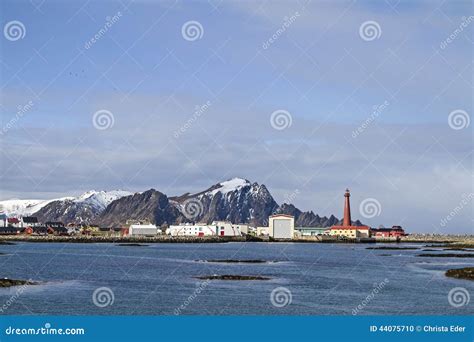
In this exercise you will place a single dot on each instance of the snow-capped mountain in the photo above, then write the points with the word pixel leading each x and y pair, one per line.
pixel 236 200
pixel 17 207
pixel 101 199
pixel 67 209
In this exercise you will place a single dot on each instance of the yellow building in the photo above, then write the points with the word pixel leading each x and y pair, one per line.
pixel 351 232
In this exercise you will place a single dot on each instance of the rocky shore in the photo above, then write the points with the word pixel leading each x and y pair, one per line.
pixel 461 273
pixel 447 255
pixel 121 240
pixel 446 241
pixel 232 277
pixel 5 282
pixel 237 261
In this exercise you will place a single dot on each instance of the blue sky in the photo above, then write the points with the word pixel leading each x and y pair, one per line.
pixel 319 69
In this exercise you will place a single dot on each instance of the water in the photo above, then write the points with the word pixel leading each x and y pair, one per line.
pixel 159 279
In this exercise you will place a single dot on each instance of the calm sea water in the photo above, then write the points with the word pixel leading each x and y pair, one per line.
pixel 159 279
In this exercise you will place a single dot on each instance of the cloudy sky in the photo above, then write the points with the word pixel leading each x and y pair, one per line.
pixel 307 98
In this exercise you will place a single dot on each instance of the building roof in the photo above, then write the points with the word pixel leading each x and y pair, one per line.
pixel 350 227
pixel 143 226
pixel 13 220
pixel 285 215
pixel 394 228
pixel 30 219
pixel 55 224
pixel 311 228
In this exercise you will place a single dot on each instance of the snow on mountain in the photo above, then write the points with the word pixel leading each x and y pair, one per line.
pixel 231 185
pixel 17 207
pixel 99 200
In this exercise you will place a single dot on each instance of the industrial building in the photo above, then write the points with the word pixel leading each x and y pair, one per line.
pixel 217 228
pixel 199 229
pixel 312 231
pixel 224 228
pixel 142 230
pixel 243 228
pixel 395 231
pixel 281 226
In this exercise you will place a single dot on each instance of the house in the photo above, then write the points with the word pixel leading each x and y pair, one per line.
pixel 29 221
pixel 56 228
pixel 281 226
pixel 262 231
pixel 13 222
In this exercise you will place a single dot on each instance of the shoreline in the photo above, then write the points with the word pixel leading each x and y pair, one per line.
pixel 446 241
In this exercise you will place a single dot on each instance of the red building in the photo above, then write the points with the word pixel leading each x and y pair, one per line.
pixel 395 231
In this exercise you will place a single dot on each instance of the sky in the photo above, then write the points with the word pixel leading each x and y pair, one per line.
pixel 306 97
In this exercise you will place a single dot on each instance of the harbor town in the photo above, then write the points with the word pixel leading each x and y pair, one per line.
pixel 281 227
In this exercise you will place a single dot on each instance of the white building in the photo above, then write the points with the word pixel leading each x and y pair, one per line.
pixel 199 229
pixel 224 228
pixel 217 228
pixel 281 226
pixel 243 228
pixel 142 230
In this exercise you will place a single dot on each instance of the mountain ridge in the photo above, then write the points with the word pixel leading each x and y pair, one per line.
pixel 237 200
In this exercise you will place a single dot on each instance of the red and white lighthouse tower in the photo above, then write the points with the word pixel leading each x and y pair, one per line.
pixel 347 209
pixel 347 229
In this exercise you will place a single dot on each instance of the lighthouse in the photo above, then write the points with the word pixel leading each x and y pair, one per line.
pixel 347 230
pixel 347 209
